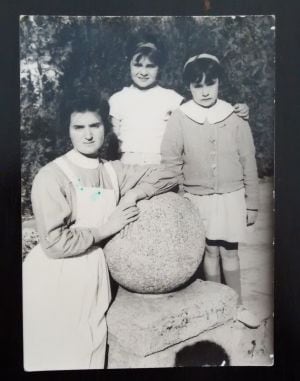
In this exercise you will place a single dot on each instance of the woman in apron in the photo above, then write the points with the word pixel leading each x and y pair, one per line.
pixel 75 199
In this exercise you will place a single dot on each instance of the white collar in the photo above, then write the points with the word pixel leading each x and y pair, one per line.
pixel 82 161
pixel 217 113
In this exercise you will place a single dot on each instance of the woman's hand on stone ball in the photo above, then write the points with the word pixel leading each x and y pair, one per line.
pixel 130 198
pixel 122 216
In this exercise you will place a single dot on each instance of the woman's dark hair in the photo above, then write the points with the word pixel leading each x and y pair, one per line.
pixel 195 71
pixel 146 45
pixel 83 102
pixel 203 353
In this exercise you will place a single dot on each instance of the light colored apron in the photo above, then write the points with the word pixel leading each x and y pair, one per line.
pixel 65 300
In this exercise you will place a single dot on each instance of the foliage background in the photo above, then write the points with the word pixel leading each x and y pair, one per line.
pixel 60 55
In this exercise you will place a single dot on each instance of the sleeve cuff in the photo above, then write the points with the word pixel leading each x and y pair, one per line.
pixel 94 233
pixel 147 189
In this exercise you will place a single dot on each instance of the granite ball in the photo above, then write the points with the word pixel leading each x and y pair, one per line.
pixel 162 249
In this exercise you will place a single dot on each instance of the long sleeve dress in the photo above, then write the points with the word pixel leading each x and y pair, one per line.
pixel 66 288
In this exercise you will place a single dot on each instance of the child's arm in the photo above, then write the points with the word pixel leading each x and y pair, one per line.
pixel 141 181
pixel 138 182
pixel 115 112
pixel 242 110
pixel 172 147
pixel 247 158
pixel 116 124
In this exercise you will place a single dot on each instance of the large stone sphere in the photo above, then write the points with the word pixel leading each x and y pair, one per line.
pixel 162 249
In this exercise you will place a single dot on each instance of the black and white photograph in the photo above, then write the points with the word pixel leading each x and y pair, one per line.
pixel 147 191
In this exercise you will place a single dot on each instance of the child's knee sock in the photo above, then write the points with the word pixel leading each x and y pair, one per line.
pixel 213 277
pixel 212 266
pixel 231 270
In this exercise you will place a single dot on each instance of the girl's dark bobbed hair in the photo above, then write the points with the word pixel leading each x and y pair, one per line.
pixel 148 45
pixel 195 69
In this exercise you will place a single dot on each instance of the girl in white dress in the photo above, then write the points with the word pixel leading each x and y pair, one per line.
pixel 140 112
pixel 78 201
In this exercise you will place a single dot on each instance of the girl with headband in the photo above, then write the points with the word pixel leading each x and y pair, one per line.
pixel 140 112
pixel 212 148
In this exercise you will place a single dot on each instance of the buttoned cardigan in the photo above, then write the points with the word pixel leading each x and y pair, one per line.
pixel 212 157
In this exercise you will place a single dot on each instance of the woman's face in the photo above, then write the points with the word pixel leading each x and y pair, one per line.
pixel 86 132
pixel 143 72
pixel 205 94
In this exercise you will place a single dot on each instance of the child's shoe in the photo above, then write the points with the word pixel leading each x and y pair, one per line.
pixel 247 317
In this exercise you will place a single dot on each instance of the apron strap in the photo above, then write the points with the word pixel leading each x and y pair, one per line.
pixel 113 178
pixel 63 165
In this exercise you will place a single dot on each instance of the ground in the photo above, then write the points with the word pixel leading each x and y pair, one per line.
pixel 257 275
pixel 256 257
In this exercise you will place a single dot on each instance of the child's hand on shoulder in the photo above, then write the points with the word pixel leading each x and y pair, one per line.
pixel 242 110
pixel 251 217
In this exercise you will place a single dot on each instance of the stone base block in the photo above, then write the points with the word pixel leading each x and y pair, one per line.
pixel 141 324
pixel 244 346
pixel 119 358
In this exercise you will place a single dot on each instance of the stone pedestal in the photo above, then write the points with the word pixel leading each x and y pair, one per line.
pixel 147 330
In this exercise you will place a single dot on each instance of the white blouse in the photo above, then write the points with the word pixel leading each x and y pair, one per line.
pixel 143 115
